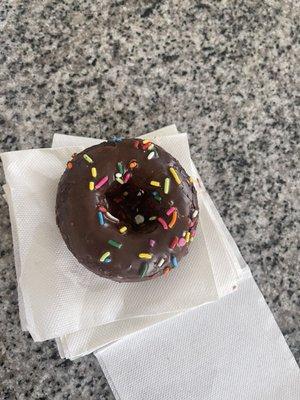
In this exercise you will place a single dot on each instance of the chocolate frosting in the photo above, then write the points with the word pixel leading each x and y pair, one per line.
pixel 93 204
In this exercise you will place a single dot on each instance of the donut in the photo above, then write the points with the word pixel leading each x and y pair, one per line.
pixel 127 210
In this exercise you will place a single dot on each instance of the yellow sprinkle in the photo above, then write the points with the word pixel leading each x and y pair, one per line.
pixel 187 237
pixel 94 172
pixel 104 256
pixel 155 183
pixel 123 229
pixel 184 233
pixel 167 185
pixel 145 256
pixel 191 180
pixel 91 186
pixel 146 141
pixel 175 176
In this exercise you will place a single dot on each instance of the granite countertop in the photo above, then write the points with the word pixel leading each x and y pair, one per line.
pixel 222 71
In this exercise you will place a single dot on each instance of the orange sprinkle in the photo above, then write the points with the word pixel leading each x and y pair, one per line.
pixel 133 164
pixel 166 271
pixel 173 220
pixel 69 165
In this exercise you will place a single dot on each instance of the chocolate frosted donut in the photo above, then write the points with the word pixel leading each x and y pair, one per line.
pixel 127 210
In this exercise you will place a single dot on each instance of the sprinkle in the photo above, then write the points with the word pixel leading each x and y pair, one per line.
pixel 123 229
pixel 174 261
pixel 170 211
pixel 115 244
pixel 184 233
pixel 88 158
pixel 146 256
pixel 152 242
pixel 145 141
pixel 153 218
pixel 155 183
pixel 175 175
pixel 143 269
pixel 151 147
pixel 162 222
pixel 102 182
pixel 191 180
pixel 100 218
pixel 107 260
pixel 94 172
pixel 102 209
pixel 120 167
pixel 195 213
pixel 191 223
pixel 187 237
pixel 91 186
pixel 193 232
pixel 104 256
pixel 181 242
pixel 161 262
pixel 120 181
pixel 156 195
pixel 145 146
pixel 118 175
pixel 174 242
pixel 166 271
pixel 133 164
pixel 139 219
pixel 111 217
pixel 136 144
pixel 151 155
pixel 173 220
pixel 167 185
pixel 69 165
pixel 127 176
pixel 125 194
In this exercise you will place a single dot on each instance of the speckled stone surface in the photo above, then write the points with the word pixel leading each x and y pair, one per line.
pixel 222 71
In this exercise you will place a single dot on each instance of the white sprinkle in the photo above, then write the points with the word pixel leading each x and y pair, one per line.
pixel 161 261
pixel 152 218
pixel 195 213
pixel 151 155
pixel 139 219
pixel 125 194
pixel 111 217
pixel 118 175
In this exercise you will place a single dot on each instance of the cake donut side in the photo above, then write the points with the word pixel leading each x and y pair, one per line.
pixel 127 210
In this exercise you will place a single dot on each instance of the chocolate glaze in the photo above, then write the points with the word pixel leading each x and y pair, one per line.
pixel 77 210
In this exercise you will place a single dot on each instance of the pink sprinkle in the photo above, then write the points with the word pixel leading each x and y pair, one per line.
pixel 181 242
pixel 127 176
pixel 191 223
pixel 170 211
pixel 102 209
pixel 193 232
pixel 162 222
pixel 102 182
pixel 152 242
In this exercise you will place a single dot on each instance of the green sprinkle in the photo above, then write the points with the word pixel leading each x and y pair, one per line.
pixel 88 158
pixel 120 167
pixel 115 244
pixel 143 269
pixel 167 186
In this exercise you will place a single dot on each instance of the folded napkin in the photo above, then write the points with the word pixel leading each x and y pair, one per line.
pixel 59 298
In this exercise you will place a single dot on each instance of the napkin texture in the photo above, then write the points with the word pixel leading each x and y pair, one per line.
pixel 229 349
pixel 58 295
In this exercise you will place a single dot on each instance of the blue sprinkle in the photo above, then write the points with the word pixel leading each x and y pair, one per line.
pixel 100 218
pixel 107 260
pixel 174 261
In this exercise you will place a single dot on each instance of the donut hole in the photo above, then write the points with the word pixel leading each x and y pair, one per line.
pixel 133 206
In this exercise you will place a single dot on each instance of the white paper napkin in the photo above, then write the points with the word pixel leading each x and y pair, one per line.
pixel 229 349
pixel 59 295
pixel 227 262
